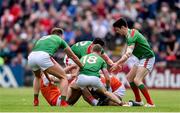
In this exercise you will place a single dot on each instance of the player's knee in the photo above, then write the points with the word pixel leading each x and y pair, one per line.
pixel 128 78
pixel 136 80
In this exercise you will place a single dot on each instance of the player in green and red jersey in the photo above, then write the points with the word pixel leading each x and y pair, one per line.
pixel 85 47
pixel 89 75
pixel 40 60
pixel 138 46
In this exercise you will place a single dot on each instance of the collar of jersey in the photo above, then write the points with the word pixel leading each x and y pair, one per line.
pixel 128 35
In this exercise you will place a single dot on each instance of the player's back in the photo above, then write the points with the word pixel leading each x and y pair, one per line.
pixel 49 44
pixel 81 48
pixel 93 63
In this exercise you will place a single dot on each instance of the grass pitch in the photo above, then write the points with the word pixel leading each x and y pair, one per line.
pixel 20 100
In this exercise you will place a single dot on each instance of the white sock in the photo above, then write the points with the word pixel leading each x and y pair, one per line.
pixel 94 102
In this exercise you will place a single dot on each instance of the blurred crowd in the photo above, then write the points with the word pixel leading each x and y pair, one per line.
pixel 22 22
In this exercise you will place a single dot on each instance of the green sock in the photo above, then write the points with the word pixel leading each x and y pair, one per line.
pixel 132 84
pixel 141 86
pixel 63 98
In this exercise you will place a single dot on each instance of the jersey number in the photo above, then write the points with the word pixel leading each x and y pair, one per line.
pixel 44 37
pixel 90 59
pixel 81 43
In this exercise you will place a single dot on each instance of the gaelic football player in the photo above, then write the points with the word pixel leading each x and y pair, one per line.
pixel 138 46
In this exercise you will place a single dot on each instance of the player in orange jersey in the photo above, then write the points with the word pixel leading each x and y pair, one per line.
pixel 51 91
pixel 117 87
pixel 52 94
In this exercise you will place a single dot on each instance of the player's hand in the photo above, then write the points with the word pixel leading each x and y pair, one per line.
pixel 115 67
pixel 112 64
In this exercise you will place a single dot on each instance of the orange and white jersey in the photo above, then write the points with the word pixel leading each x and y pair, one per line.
pixel 116 86
pixel 115 83
pixel 50 92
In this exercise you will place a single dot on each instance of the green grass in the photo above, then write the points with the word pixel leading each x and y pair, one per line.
pixel 20 99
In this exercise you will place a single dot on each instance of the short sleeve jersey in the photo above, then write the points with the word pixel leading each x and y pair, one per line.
pixel 142 48
pixel 93 63
pixel 50 44
pixel 82 48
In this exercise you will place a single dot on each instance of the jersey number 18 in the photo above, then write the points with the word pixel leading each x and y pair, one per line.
pixel 90 59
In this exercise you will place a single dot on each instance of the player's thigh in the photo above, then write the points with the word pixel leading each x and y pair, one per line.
pixel 82 81
pixel 141 73
pixel 131 75
pixel 144 67
pixel 43 60
pixel 56 70
pixel 147 63
pixel 95 82
pixel 91 81
pixel 37 73
pixel 101 90
pixel 32 62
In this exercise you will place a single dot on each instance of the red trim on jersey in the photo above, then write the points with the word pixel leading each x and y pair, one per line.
pixel 89 48
pixel 67 60
pixel 146 62
pixel 133 32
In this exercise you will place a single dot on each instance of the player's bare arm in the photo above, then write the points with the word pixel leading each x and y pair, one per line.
pixel 106 75
pixel 123 59
pixel 70 67
pixel 107 59
pixel 71 55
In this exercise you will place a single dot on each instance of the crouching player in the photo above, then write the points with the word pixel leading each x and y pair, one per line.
pixel 90 77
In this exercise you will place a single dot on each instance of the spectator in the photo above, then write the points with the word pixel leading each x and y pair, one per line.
pixel 22 22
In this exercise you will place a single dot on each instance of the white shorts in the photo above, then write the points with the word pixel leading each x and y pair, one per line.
pixel 120 91
pixel 67 61
pixel 148 63
pixel 89 81
pixel 131 61
pixel 39 60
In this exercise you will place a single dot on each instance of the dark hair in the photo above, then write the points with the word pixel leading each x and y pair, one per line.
pixel 97 48
pixel 98 41
pixel 57 31
pixel 120 22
